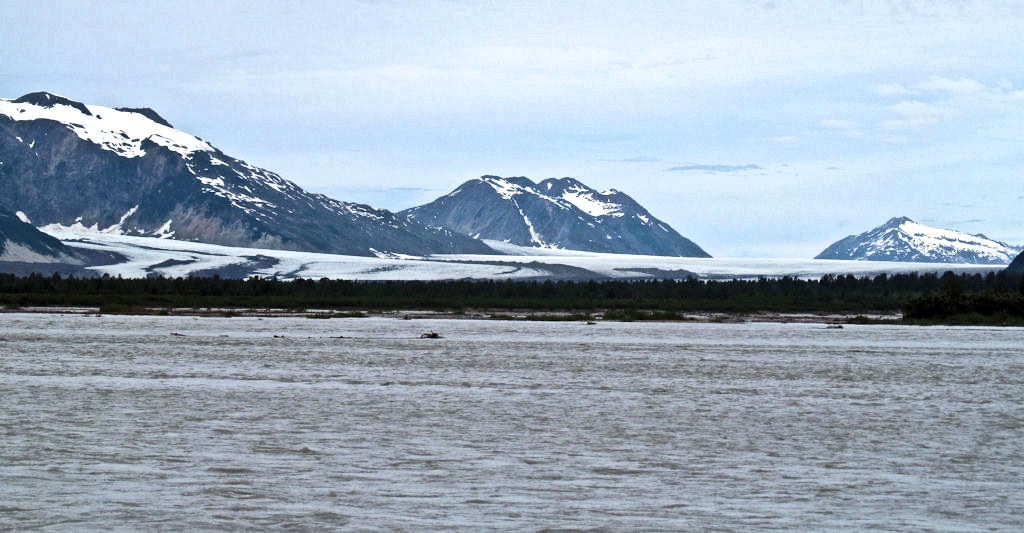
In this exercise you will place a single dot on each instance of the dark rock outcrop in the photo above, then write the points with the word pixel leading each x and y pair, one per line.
pixel 1017 266
pixel 22 242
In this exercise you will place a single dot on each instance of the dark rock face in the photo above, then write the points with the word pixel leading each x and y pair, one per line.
pixel 148 113
pixel 105 169
pixel 17 238
pixel 562 213
pixel 1017 266
pixel 902 239
pixel 48 100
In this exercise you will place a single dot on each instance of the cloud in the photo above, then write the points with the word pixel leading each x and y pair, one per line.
pixel 934 84
pixel 948 99
pixel 891 89
pixel 601 138
pixel 784 139
pixel 955 223
pixel 635 159
pixel 838 124
pixel 713 168
pixel 952 86
pixel 913 114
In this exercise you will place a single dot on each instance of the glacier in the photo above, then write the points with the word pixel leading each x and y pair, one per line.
pixel 151 256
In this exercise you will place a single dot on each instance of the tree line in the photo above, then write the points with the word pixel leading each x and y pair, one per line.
pixel 919 296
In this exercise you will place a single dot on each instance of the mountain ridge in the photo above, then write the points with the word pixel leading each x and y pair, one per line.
pixel 70 165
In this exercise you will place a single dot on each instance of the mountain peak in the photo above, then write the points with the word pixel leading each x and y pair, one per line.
pixel 558 185
pixel 125 131
pixel 897 221
pixel 555 213
pixel 45 99
pixel 146 112
pixel 520 181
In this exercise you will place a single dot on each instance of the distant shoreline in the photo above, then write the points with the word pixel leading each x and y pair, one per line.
pixel 581 316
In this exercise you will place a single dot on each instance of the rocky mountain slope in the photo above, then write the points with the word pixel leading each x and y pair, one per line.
pixel 66 164
pixel 555 213
pixel 21 242
pixel 1017 266
pixel 902 239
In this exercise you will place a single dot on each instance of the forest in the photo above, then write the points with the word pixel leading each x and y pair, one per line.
pixel 992 298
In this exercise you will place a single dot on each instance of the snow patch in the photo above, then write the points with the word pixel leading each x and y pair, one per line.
pixel 121 132
pixel 22 217
pixel 360 211
pixel 504 188
pixel 164 232
pixel 244 202
pixel 904 238
pixel 584 200
pixel 77 227
pixel 115 229
pixel 217 183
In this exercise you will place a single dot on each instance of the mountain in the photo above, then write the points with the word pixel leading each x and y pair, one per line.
pixel 1017 266
pixel 902 239
pixel 555 213
pixel 127 171
pixel 21 242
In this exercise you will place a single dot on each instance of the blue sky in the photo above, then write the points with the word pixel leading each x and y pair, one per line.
pixel 757 129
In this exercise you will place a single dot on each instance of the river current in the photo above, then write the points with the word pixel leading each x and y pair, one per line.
pixel 201 423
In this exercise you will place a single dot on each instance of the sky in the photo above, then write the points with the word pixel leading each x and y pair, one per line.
pixel 754 128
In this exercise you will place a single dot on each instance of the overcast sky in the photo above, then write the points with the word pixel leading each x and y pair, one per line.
pixel 757 129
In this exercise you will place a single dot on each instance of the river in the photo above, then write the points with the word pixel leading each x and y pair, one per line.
pixel 202 423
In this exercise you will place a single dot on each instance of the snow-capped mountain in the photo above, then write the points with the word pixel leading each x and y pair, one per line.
pixel 65 164
pixel 902 239
pixel 555 213
pixel 21 242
